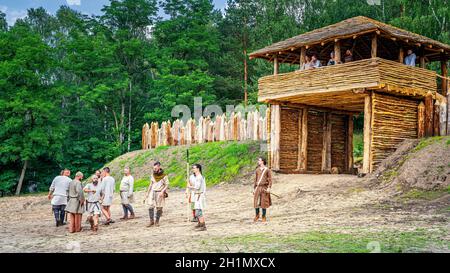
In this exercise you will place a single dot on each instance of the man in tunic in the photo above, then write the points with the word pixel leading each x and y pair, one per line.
pixel 93 203
pixel 58 193
pixel 261 189
pixel 75 206
pixel 107 194
pixel 156 194
pixel 190 196
pixel 198 188
pixel 126 194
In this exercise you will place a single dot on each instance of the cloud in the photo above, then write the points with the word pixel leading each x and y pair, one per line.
pixel 12 15
pixel 73 2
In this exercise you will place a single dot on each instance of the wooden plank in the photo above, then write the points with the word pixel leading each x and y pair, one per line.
pixel 302 56
pixel 367 132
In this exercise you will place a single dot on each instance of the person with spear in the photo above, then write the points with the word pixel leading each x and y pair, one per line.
pixel 189 192
pixel 261 190
pixel 197 185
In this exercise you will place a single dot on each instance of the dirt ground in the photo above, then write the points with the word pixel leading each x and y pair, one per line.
pixel 307 203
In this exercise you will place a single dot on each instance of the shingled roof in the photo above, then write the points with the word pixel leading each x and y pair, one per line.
pixel 346 29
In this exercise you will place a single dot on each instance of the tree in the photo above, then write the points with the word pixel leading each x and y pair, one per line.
pixel 28 102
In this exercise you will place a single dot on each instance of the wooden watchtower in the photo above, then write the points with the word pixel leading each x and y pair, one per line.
pixel 311 110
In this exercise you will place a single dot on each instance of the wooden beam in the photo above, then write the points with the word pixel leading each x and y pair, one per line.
pixel 349 144
pixel 374 46
pixel 367 133
pixel 275 65
pixel 429 108
pixel 337 52
pixel 304 144
pixel 444 73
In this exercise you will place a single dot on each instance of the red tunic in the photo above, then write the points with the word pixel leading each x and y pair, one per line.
pixel 261 198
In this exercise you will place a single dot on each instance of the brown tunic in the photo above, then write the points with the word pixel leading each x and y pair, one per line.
pixel 261 198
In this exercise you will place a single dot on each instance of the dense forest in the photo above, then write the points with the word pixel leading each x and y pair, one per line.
pixel 75 90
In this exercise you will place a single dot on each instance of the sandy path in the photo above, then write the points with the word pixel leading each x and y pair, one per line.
pixel 308 203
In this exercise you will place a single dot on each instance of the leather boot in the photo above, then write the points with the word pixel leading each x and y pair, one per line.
pixel 158 215
pixel 256 218
pixel 151 213
pixel 264 219
pixel 202 227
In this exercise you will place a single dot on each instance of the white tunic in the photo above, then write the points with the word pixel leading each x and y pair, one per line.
pixel 107 189
pixel 199 191
pixel 126 189
pixel 60 188
pixel 93 205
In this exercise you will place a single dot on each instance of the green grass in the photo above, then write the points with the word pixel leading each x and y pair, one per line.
pixel 221 162
pixel 358 145
pixel 415 194
pixel 425 142
pixel 336 242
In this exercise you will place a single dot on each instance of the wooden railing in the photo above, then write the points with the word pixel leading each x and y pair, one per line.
pixel 376 73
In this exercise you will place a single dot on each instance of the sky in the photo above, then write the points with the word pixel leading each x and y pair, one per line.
pixel 15 9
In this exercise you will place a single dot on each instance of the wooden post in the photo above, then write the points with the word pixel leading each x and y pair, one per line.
pixel 443 118
pixel 436 114
pixel 429 107
pixel 337 52
pixel 349 148
pixel 448 113
pixel 275 136
pixel 304 146
pixel 367 132
pixel 275 65
pixel 422 57
pixel 326 147
pixel 401 55
pixel 302 56
pixel 374 47
pixel 444 72
pixel 421 120
pixel 299 159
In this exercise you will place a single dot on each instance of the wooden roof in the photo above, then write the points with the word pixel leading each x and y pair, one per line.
pixel 347 29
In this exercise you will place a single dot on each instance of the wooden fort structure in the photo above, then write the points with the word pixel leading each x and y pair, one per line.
pixel 311 111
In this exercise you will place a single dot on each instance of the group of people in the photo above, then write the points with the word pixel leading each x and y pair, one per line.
pixel 312 61
pixel 69 199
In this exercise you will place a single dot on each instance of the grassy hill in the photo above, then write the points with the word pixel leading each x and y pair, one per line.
pixel 221 162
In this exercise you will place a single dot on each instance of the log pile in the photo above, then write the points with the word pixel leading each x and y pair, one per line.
pixel 236 127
